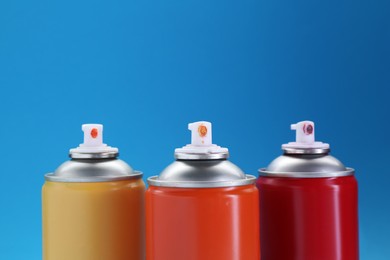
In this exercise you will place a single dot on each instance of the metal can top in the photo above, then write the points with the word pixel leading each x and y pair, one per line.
pixel 93 170
pixel 306 166
pixel 306 158
pixel 93 161
pixel 201 164
pixel 201 174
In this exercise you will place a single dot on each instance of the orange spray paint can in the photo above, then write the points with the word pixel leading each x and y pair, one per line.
pixel 202 206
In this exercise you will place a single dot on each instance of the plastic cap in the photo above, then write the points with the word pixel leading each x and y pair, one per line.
pixel 305 137
pixel 201 140
pixel 93 141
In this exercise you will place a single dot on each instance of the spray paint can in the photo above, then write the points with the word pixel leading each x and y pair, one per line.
pixel 202 206
pixel 308 203
pixel 93 205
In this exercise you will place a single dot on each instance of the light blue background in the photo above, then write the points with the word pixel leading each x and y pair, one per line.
pixel 147 68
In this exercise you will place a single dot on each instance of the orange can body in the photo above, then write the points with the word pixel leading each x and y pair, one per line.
pixel 202 223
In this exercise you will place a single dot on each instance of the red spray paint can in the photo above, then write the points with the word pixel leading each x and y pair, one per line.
pixel 308 203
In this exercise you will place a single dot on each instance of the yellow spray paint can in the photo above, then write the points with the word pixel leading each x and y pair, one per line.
pixel 93 205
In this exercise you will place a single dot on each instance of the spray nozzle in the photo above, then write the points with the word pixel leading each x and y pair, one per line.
pixel 93 135
pixel 201 133
pixel 305 137
pixel 201 141
pixel 93 141
pixel 304 132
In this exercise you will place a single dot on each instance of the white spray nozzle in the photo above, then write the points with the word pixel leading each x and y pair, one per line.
pixel 304 132
pixel 93 134
pixel 201 140
pixel 201 133
pixel 305 137
pixel 93 141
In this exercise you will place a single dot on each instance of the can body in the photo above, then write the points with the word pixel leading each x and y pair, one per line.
pixel 93 220
pixel 202 223
pixel 309 218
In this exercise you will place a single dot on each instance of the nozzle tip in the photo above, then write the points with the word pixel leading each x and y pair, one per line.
pixel 200 133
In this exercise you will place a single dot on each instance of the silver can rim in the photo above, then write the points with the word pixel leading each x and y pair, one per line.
pixel 52 178
pixel 287 150
pixel 194 156
pixel 347 172
pixel 104 155
pixel 154 181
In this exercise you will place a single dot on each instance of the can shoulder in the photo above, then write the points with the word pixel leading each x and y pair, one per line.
pixel 92 170
pixel 201 170
pixel 310 165
pixel 201 174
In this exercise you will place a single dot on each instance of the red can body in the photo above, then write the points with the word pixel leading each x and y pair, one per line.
pixel 202 223
pixel 309 218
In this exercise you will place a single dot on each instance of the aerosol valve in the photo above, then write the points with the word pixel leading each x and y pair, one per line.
pixel 93 141
pixel 201 140
pixel 305 137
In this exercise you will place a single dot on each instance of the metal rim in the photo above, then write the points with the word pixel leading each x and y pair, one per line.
pixel 347 172
pixel 154 181
pixel 306 150
pixel 50 177
pixel 194 156
pixel 93 155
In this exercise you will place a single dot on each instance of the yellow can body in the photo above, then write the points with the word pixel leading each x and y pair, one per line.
pixel 93 220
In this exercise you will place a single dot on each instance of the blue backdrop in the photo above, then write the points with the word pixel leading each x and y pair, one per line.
pixel 146 68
